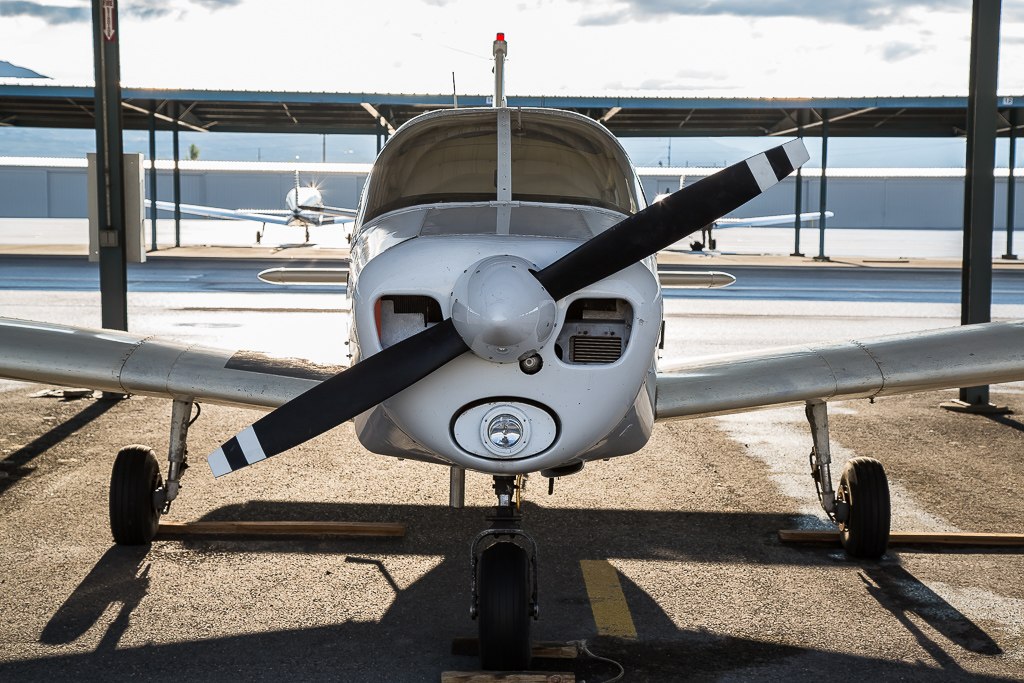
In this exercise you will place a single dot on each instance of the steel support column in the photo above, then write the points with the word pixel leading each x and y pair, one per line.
pixel 798 198
pixel 177 178
pixel 110 166
pixel 979 190
pixel 823 187
pixel 1011 187
pixel 152 174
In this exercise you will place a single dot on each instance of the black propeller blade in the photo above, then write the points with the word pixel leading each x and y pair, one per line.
pixel 382 375
pixel 342 397
pixel 670 220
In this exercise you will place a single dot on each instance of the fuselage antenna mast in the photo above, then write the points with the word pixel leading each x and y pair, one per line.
pixel 500 50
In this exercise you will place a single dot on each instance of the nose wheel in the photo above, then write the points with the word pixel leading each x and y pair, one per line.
pixel 504 585
pixel 504 608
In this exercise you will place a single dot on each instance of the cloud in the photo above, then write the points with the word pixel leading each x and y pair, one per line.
pixel 51 14
pixel 866 13
pixel 215 4
pixel 81 12
pixel 894 52
pixel 684 79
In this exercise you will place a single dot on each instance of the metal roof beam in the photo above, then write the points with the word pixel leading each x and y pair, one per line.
pixel 372 111
pixel 815 124
pixel 164 117
pixel 889 118
pixel 609 114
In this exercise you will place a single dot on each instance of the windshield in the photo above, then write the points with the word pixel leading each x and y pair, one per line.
pixel 556 158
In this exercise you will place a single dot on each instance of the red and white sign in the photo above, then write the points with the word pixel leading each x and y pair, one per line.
pixel 109 20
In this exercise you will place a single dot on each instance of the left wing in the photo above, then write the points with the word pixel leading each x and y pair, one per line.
pixel 966 356
pixel 778 219
pixel 236 214
pixel 120 362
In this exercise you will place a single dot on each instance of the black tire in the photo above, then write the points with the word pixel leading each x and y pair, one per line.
pixel 134 517
pixel 865 488
pixel 504 616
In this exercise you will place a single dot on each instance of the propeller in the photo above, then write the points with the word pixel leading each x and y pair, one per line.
pixel 384 374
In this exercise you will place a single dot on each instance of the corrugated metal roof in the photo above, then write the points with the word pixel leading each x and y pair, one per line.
pixel 645 171
pixel 63 106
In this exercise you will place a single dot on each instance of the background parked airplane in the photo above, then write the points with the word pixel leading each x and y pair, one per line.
pixel 304 206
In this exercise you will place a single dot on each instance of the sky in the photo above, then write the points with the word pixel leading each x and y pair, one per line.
pixel 720 48
pixel 709 48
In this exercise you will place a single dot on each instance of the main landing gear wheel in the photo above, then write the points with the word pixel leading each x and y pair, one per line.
pixel 134 516
pixel 864 489
pixel 504 617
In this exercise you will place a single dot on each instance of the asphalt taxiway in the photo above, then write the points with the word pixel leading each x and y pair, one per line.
pixel 688 525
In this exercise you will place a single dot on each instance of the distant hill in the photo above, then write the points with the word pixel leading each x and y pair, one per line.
pixel 8 70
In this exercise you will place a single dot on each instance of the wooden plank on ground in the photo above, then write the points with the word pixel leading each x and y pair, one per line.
pixel 470 647
pixel 1001 540
pixel 280 529
pixel 509 677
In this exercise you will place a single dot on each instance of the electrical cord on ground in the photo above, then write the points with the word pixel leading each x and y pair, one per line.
pixel 581 646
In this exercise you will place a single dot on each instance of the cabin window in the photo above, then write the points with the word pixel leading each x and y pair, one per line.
pixel 454 157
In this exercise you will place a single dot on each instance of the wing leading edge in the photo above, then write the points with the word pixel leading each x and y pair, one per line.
pixel 236 214
pixel 966 356
pixel 121 362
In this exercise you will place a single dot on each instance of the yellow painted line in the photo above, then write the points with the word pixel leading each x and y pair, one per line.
pixel 611 613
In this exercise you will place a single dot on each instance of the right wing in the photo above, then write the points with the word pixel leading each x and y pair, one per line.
pixel 965 356
pixel 120 362
pixel 761 221
pixel 236 214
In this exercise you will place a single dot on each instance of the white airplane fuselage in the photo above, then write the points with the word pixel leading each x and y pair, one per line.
pixel 593 396
pixel 307 196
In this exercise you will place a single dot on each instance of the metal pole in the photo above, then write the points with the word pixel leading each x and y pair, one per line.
pixel 823 187
pixel 979 190
pixel 152 173
pixel 110 166
pixel 456 488
pixel 1011 188
pixel 177 179
pixel 798 198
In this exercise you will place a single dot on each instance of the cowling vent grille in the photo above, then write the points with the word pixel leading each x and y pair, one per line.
pixel 586 349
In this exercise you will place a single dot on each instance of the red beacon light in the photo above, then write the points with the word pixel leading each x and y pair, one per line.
pixel 501 36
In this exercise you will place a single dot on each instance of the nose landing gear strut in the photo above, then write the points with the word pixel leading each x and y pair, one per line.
pixel 504 584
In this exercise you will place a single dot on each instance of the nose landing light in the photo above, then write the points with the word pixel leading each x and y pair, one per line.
pixel 505 434
pixel 505 428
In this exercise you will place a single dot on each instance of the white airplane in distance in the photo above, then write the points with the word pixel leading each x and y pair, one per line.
pixel 707 232
pixel 304 206
pixel 506 319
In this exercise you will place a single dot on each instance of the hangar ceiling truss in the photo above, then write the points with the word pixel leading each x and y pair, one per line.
pixel 54 106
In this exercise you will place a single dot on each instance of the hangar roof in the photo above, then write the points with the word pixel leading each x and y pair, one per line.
pixel 57 106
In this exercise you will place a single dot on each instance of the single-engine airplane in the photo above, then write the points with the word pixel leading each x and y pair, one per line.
pixel 304 206
pixel 506 319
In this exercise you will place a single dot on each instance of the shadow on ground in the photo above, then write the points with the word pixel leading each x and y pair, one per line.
pixel 411 642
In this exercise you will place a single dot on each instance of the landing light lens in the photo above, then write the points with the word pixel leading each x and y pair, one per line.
pixel 505 431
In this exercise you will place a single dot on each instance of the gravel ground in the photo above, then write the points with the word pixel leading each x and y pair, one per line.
pixel 689 523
